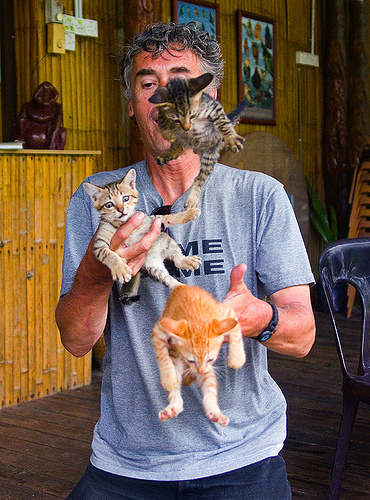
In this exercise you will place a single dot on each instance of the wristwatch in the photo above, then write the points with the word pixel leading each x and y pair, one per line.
pixel 271 327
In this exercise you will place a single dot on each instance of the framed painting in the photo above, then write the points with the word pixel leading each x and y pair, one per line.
pixel 257 67
pixel 204 13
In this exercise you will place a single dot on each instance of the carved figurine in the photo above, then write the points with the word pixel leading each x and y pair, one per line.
pixel 39 123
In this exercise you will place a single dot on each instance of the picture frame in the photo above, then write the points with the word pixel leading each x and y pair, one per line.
pixel 257 67
pixel 204 13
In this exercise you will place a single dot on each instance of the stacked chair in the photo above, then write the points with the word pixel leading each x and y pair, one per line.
pixel 359 222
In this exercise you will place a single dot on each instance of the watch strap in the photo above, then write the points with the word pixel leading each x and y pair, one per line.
pixel 271 327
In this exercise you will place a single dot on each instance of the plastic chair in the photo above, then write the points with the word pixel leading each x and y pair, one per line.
pixel 348 261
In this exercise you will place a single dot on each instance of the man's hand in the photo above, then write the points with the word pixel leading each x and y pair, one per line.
pixel 135 254
pixel 254 314
pixel 295 332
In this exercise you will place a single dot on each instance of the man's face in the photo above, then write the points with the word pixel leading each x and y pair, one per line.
pixel 147 75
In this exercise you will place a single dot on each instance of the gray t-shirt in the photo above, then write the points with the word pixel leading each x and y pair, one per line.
pixel 246 217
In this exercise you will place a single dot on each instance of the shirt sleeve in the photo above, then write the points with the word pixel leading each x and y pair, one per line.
pixel 80 228
pixel 282 259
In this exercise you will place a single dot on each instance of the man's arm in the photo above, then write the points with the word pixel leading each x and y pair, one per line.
pixel 295 332
pixel 81 314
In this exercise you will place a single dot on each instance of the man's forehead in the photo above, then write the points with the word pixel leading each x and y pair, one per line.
pixel 175 61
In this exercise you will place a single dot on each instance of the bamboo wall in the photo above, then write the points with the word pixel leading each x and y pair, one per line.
pixel 87 79
pixel 35 189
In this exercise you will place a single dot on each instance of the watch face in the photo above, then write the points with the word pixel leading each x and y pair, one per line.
pixel 265 336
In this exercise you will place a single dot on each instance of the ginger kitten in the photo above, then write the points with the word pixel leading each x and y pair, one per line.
pixel 187 340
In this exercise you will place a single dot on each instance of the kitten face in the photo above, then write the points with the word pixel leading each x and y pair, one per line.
pixel 201 358
pixel 180 99
pixel 199 347
pixel 115 202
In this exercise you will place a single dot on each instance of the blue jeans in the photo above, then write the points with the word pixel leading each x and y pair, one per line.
pixel 265 480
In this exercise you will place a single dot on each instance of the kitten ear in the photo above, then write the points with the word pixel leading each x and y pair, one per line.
pixel 130 179
pixel 223 326
pixel 173 327
pixel 159 97
pixel 200 83
pixel 91 190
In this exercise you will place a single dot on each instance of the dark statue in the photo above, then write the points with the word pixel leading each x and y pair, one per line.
pixel 39 123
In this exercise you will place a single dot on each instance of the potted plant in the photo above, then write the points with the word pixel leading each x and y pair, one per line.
pixel 326 224
pixel 327 227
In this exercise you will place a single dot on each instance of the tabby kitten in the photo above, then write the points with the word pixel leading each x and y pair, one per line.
pixel 116 203
pixel 187 340
pixel 191 119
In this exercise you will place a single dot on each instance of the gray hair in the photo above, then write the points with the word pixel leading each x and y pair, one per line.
pixel 161 37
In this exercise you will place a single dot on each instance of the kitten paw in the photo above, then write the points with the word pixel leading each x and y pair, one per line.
pixel 165 158
pixel 160 160
pixel 191 203
pixel 170 411
pixel 121 272
pixel 219 418
pixel 190 263
pixel 235 144
pixel 191 214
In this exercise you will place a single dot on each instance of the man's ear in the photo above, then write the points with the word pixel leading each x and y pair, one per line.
pixel 130 109
pixel 213 93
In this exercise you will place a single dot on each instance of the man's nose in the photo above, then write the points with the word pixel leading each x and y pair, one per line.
pixel 163 80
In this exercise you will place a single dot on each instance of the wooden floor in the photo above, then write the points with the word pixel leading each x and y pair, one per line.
pixel 45 444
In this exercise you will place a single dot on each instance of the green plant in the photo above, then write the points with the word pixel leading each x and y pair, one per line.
pixel 326 226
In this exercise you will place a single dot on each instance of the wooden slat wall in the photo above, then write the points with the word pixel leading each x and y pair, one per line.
pixel 87 79
pixel 35 189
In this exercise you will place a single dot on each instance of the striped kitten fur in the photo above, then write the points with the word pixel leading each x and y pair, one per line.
pixel 191 119
pixel 116 203
pixel 187 340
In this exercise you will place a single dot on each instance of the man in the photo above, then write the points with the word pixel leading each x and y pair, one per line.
pixel 246 230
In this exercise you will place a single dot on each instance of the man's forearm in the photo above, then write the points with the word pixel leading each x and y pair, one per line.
pixel 81 314
pixel 295 333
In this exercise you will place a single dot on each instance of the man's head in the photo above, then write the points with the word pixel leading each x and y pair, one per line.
pixel 161 37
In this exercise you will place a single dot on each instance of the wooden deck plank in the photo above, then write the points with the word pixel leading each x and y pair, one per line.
pixel 39 437
pixel 66 456
pixel 18 483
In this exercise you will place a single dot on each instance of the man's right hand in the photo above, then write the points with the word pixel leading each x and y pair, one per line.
pixel 135 254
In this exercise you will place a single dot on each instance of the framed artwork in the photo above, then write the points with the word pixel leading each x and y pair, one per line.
pixel 204 13
pixel 256 67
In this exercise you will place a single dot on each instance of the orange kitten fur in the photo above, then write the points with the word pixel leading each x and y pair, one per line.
pixel 187 340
